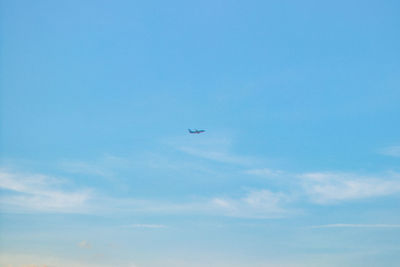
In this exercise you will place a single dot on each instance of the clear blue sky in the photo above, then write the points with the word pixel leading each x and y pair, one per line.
pixel 299 164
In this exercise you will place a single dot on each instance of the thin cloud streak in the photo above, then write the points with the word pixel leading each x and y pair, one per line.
pixel 344 225
pixel 36 192
pixel 331 187
pixel 214 148
pixel 255 204
pixel 39 193
pixel 393 151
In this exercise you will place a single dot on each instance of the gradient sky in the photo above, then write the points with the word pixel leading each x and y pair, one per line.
pixel 299 164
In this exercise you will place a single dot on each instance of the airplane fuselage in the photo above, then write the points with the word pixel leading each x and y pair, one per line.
pixel 196 131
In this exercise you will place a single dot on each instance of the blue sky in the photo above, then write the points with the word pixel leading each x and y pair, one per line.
pixel 299 164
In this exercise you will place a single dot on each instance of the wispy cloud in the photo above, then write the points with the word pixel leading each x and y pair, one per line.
pixel 346 225
pixel 43 193
pixel 256 204
pixel 334 187
pixel 393 151
pixel 39 192
pixel 84 244
pixel 327 188
pixel 211 147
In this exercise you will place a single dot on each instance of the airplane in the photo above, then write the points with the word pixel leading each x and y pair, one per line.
pixel 196 131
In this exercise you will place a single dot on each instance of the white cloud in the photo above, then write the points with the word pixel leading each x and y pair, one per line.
pixel 256 204
pixel 40 193
pixel 393 151
pixel 346 225
pixel 326 188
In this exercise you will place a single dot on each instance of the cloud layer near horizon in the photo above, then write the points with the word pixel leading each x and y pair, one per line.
pixel 43 193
